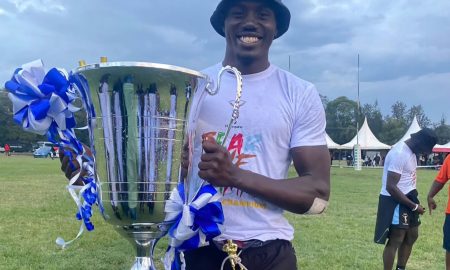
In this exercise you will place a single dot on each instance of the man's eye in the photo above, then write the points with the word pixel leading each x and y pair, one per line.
pixel 265 13
pixel 236 14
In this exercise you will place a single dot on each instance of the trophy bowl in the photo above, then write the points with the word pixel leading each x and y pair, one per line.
pixel 137 114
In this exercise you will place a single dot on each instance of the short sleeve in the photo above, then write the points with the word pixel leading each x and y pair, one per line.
pixel 309 125
pixel 444 173
pixel 397 163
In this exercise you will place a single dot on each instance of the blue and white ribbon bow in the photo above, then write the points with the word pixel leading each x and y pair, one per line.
pixel 195 224
pixel 44 103
pixel 41 101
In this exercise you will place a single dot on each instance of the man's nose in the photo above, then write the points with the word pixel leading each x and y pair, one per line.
pixel 250 20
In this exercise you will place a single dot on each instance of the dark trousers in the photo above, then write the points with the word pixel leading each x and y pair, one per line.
pixel 273 255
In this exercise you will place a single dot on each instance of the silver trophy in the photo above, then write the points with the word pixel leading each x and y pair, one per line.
pixel 137 121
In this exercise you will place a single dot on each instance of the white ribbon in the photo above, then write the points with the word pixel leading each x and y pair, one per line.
pixel 184 231
pixel 31 76
pixel 54 106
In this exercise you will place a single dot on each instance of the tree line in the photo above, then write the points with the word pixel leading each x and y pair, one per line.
pixel 342 116
pixel 13 134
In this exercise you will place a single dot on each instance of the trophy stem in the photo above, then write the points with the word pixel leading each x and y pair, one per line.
pixel 144 255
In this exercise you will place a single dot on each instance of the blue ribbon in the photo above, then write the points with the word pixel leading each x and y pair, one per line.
pixel 43 103
pixel 195 224
pixel 39 102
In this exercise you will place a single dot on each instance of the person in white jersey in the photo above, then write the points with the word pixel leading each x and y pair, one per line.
pixel 399 207
pixel 281 120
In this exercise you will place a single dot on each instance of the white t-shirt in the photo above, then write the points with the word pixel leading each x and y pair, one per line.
pixel 401 160
pixel 278 111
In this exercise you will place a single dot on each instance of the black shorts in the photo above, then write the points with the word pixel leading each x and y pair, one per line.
pixel 272 255
pixel 404 217
pixel 391 214
pixel 446 229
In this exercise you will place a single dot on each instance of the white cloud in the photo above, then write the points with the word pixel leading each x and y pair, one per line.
pixel 403 44
pixel 173 36
pixel 38 5
pixel 3 12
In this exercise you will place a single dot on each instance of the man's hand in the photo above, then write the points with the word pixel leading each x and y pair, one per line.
pixel 185 160
pixel 431 204
pixel 216 165
pixel 420 210
pixel 70 166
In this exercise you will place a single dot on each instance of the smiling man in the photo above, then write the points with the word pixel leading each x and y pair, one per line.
pixel 281 121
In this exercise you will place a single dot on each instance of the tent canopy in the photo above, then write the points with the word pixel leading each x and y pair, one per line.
pixel 366 140
pixel 442 148
pixel 413 128
pixel 331 144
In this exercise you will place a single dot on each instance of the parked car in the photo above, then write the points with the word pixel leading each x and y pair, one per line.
pixel 2 149
pixel 45 150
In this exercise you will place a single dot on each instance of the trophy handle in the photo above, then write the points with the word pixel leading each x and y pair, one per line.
pixel 213 90
pixel 237 100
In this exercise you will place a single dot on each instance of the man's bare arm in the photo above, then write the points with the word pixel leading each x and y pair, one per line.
pixel 391 187
pixel 297 194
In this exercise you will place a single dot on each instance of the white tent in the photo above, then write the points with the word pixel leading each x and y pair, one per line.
pixel 413 128
pixel 445 148
pixel 366 140
pixel 331 144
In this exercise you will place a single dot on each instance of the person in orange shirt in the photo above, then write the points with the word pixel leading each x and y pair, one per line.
pixel 442 178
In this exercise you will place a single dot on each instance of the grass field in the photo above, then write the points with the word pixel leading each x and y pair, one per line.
pixel 35 209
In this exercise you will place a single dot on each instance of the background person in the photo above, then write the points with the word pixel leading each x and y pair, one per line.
pixel 399 207
pixel 7 150
pixel 52 152
pixel 377 159
pixel 441 179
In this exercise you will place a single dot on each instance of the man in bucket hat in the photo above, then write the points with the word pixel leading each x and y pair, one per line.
pixel 281 120
pixel 399 207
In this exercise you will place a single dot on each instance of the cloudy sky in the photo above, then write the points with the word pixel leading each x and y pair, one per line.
pixel 404 45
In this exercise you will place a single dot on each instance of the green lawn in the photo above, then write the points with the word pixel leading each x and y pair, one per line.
pixel 35 209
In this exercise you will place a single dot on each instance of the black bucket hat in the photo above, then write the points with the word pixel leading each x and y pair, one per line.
pixel 426 136
pixel 282 15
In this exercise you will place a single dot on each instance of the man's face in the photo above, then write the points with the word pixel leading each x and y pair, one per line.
pixel 424 148
pixel 250 28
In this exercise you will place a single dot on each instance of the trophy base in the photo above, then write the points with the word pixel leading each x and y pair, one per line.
pixel 143 263
pixel 144 254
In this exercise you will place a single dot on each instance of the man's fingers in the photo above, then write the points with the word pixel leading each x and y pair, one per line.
pixel 208 157
pixel 61 154
pixel 69 173
pixel 64 163
pixel 69 166
pixel 210 146
pixel 205 174
pixel 204 165
pixel 79 181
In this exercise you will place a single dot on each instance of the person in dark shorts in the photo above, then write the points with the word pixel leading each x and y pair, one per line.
pixel 441 179
pixel 399 207
pixel 252 166
pixel 272 254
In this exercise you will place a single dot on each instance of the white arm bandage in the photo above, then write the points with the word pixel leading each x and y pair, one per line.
pixel 318 206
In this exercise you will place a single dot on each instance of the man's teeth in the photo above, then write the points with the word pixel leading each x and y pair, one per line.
pixel 249 39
